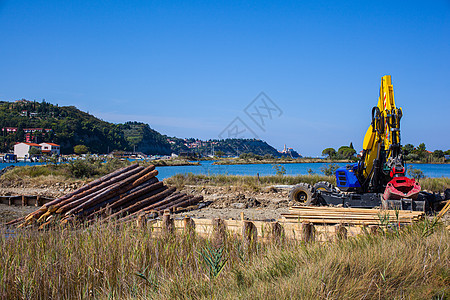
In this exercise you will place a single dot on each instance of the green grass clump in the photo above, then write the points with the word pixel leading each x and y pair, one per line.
pixel 132 263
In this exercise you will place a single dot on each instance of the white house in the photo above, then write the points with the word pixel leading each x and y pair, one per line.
pixel 21 149
pixel 50 148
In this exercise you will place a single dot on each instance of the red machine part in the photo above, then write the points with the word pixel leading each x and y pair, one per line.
pixel 397 172
pixel 401 187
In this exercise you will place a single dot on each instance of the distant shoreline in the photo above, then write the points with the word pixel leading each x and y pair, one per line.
pixel 275 161
pixel 301 161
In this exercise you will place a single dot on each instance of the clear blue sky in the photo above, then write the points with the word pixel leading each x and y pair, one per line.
pixel 190 68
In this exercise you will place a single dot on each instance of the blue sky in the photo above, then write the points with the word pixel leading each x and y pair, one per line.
pixel 190 68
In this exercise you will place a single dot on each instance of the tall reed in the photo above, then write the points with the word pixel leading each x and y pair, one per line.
pixel 133 263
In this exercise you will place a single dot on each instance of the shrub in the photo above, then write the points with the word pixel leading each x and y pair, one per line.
pixel 329 169
pixel 417 174
pixel 280 170
pixel 82 169
pixel 80 149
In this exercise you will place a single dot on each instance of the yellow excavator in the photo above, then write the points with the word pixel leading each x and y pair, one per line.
pixel 378 178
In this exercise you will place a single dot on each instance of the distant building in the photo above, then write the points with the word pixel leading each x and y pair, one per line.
pixel 32 135
pixel 289 152
pixel 22 149
pixel 26 130
pixel 9 130
pixel 50 148
pixel 32 130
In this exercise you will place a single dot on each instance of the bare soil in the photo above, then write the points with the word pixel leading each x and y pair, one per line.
pixel 46 189
pixel 50 190
pixel 219 202
pixel 9 213
pixel 229 203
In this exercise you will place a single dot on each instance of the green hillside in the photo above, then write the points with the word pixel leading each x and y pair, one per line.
pixel 233 147
pixel 142 138
pixel 70 127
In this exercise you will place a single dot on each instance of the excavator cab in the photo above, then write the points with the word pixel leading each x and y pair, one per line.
pixel 346 178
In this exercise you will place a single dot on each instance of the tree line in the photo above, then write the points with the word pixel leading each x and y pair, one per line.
pixel 344 152
pixel 420 153
pixel 410 153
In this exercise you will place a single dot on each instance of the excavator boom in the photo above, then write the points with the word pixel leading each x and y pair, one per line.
pixel 384 129
pixel 378 179
pixel 381 168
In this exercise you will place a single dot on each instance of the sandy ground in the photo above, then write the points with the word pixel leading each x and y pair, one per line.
pixel 8 213
pixel 52 190
pixel 219 202
pixel 260 214
pixel 229 203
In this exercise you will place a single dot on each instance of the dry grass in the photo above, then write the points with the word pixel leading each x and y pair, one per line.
pixel 76 171
pixel 254 183
pixel 87 168
pixel 21 178
pixel 128 263
pixel 438 184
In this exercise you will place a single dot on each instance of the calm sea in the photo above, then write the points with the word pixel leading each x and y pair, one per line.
pixel 206 167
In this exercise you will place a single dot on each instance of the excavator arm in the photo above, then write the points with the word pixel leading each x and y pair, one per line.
pixel 381 168
pixel 378 179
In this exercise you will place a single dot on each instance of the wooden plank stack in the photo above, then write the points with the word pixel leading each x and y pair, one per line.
pixel 24 200
pixel 265 231
pixel 351 216
pixel 124 194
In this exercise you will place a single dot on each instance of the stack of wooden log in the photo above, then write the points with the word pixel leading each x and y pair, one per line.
pixel 124 194
pixel 351 216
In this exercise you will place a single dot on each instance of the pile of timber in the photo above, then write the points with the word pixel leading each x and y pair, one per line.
pixel 124 194
pixel 351 216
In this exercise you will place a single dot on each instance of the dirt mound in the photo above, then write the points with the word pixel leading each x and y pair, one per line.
pixel 241 201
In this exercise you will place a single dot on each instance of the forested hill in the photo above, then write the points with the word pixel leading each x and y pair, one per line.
pixel 71 126
pixel 68 126
pixel 142 138
pixel 233 147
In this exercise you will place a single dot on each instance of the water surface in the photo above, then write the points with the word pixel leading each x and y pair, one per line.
pixel 206 167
